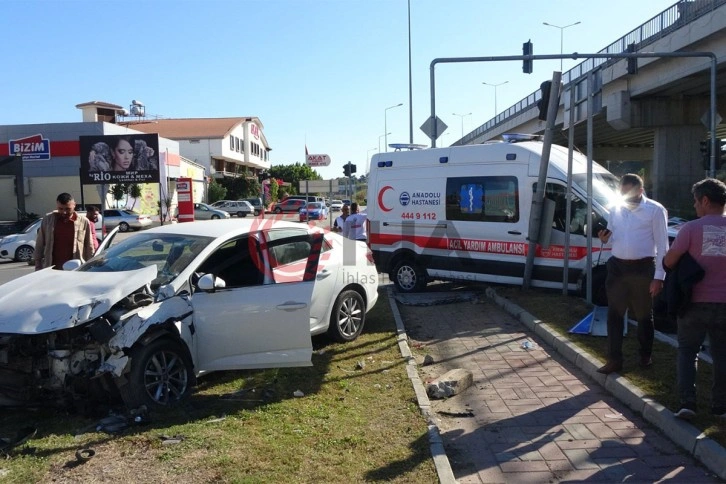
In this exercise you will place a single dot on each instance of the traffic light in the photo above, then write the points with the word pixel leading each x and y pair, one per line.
pixel 706 154
pixel 544 101
pixel 632 61
pixel 527 49
pixel 349 168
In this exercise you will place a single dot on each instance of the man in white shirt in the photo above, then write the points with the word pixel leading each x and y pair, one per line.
pixel 638 231
pixel 354 226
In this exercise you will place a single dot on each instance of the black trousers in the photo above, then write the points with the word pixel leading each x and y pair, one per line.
pixel 628 287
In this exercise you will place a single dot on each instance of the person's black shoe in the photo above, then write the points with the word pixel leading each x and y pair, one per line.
pixel 646 361
pixel 610 367
pixel 686 412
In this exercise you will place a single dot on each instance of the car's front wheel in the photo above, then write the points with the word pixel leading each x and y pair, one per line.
pixel 123 227
pixel 161 375
pixel 408 276
pixel 278 210
pixel 215 217
pixel 348 316
pixel 24 253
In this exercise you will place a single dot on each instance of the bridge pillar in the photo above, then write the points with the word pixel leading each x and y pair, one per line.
pixel 677 164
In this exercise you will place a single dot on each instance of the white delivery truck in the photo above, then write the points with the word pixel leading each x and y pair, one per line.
pixel 463 213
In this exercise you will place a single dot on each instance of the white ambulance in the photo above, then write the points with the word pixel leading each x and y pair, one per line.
pixel 462 213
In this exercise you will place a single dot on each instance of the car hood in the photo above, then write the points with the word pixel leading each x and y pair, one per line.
pixel 51 300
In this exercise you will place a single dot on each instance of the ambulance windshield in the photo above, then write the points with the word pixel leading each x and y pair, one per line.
pixel 605 187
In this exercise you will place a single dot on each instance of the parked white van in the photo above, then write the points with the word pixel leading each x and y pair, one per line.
pixel 463 213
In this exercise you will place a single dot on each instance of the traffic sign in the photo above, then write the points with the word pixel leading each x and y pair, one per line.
pixel 318 186
pixel 428 127
pixel 318 160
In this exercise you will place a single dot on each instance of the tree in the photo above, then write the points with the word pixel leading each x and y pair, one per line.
pixel 241 187
pixel 272 192
pixel 134 191
pixel 216 191
pixel 117 191
pixel 293 173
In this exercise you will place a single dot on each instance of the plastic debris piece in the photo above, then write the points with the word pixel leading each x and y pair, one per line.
pixel 528 345
pixel 298 394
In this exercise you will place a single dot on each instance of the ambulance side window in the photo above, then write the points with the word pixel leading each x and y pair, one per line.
pixel 483 199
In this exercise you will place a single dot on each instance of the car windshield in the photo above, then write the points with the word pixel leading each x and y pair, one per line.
pixel 314 206
pixel 170 253
pixel 31 227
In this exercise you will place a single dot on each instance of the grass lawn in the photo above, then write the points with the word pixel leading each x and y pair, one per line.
pixel 357 421
pixel 658 382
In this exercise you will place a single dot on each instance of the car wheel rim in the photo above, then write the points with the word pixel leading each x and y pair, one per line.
pixel 25 254
pixel 350 317
pixel 406 277
pixel 123 227
pixel 165 377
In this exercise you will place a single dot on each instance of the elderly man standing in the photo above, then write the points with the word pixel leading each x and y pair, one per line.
pixel 63 235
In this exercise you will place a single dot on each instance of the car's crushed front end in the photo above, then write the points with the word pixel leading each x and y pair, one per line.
pixel 65 335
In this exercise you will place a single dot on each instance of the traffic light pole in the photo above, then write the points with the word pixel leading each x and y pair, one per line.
pixel 575 56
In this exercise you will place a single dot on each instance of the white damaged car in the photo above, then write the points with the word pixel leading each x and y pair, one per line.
pixel 143 318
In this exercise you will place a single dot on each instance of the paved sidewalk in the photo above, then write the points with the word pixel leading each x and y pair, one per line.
pixel 530 416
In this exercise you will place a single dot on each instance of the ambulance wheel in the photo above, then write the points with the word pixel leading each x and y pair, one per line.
pixel 409 276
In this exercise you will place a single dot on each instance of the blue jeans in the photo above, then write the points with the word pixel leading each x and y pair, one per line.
pixel 701 319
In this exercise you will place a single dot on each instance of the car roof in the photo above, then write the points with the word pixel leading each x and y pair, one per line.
pixel 219 228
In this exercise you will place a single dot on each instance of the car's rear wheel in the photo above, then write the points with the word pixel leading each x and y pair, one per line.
pixel 161 375
pixel 241 214
pixel 123 227
pixel 348 316
pixel 215 217
pixel 408 276
pixel 24 253
pixel 278 210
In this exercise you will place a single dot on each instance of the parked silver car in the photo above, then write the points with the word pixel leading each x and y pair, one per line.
pixel 202 211
pixel 125 219
pixel 240 208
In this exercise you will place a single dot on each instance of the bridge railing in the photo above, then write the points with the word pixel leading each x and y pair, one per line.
pixel 669 20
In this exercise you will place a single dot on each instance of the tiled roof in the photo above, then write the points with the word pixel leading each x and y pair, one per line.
pixel 188 128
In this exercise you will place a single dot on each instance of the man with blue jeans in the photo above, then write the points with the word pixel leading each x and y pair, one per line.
pixel 705 240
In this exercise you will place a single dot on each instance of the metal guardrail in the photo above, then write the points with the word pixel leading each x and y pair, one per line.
pixel 666 22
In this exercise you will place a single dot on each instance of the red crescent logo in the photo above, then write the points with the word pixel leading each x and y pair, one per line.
pixel 380 198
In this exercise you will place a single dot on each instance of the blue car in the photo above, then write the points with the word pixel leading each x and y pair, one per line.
pixel 314 211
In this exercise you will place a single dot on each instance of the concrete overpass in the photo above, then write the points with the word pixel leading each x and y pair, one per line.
pixel 655 118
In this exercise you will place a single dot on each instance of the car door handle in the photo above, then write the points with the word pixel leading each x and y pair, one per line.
pixel 514 232
pixel 292 306
pixel 323 274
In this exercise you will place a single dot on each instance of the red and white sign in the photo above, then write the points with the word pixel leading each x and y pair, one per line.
pixel 186 200
pixel 318 160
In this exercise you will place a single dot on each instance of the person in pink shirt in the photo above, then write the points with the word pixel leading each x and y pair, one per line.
pixel 705 240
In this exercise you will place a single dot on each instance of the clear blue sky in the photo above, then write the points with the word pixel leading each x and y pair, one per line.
pixel 319 72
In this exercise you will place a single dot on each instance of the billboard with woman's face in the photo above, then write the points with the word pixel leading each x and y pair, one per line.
pixel 112 158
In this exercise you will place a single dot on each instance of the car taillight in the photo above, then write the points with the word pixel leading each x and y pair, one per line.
pixel 369 256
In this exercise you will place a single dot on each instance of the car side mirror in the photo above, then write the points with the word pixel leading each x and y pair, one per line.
pixel 208 282
pixel 72 265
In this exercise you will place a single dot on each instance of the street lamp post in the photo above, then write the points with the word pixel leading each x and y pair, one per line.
pixel 495 86
pixel 385 123
pixel 368 151
pixel 562 30
pixel 462 121
pixel 379 140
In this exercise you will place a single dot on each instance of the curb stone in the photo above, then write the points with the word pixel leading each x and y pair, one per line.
pixel 707 451
pixel 436 443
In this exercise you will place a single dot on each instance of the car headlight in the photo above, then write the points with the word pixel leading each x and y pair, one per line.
pixel 7 239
